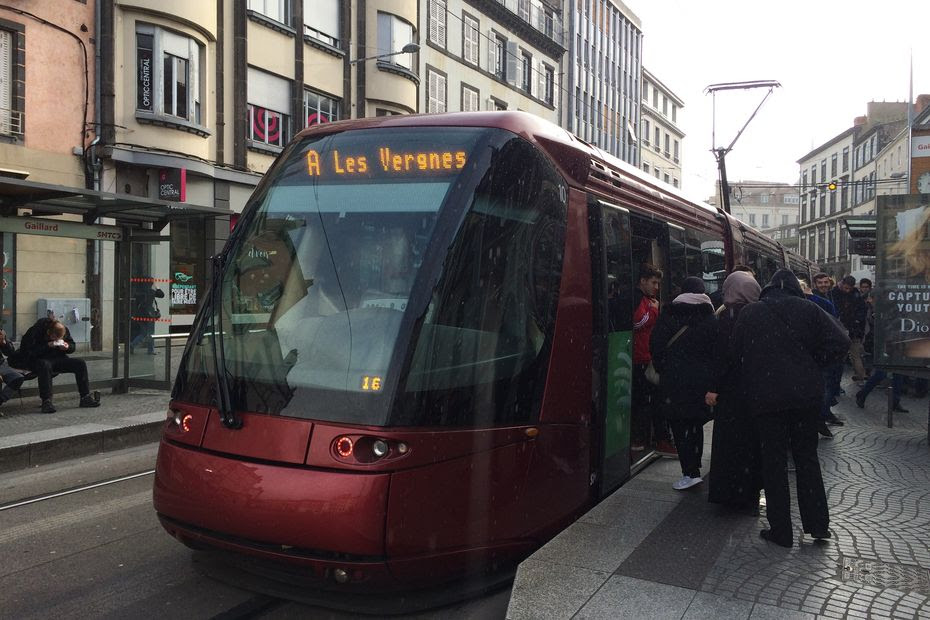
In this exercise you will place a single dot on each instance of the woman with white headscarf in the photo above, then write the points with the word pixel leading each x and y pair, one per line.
pixel 735 465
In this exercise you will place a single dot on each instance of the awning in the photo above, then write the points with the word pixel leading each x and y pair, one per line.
pixel 861 226
pixel 44 199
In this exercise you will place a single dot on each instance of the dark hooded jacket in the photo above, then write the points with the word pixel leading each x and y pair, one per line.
pixel 34 346
pixel 685 367
pixel 780 344
pixel 852 309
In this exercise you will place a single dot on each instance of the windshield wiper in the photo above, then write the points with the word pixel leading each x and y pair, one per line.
pixel 224 400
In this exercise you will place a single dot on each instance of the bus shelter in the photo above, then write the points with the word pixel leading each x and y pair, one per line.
pixel 103 263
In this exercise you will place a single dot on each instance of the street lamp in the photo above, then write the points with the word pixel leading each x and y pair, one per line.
pixel 721 153
pixel 410 48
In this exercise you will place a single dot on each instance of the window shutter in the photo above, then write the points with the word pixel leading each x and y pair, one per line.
pixel 492 52
pixel 441 22
pixel 6 76
pixel 512 62
pixel 434 21
pixel 541 82
pixel 441 92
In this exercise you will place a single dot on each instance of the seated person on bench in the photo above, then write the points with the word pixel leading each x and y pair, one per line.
pixel 11 377
pixel 44 350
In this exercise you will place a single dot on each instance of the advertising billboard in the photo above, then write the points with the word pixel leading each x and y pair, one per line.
pixel 902 301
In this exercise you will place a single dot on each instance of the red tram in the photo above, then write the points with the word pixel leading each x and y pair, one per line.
pixel 408 370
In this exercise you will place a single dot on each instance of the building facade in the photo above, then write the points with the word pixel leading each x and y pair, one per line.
pixel 604 76
pixel 47 111
pixel 771 208
pixel 840 179
pixel 503 55
pixel 660 136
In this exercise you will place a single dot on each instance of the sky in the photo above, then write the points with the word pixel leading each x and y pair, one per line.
pixel 831 58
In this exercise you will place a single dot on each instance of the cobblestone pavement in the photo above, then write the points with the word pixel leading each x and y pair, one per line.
pixel 877 565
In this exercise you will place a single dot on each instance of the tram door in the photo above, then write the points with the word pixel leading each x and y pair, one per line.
pixel 612 272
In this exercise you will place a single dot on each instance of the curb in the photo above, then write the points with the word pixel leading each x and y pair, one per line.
pixel 27 455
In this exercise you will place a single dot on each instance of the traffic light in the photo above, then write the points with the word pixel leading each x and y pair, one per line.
pixel 831 186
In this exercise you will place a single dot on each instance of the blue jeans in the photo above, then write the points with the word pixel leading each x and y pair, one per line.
pixel 877 377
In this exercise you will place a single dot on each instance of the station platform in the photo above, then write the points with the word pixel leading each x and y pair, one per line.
pixel 648 551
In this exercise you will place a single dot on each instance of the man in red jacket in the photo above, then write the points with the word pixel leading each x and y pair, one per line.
pixel 644 412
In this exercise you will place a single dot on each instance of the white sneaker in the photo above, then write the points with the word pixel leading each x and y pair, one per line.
pixel 686 482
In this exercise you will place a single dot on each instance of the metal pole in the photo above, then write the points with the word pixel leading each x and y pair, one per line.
pixel 890 418
pixel 724 185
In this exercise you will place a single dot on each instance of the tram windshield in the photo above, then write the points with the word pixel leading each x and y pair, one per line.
pixel 386 277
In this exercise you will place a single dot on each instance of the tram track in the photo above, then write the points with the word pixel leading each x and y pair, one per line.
pixel 72 490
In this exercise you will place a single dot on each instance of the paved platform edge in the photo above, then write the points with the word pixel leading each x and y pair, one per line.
pixel 43 452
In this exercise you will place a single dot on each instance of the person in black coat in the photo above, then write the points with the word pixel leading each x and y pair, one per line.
pixel 12 378
pixel 781 343
pixel 735 462
pixel 44 350
pixel 682 348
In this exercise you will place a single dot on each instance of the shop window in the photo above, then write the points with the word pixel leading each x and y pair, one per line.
pixel 319 108
pixel 188 263
pixel 321 21
pixel 269 98
pixel 168 80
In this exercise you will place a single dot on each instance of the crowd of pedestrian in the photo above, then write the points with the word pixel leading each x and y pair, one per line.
pixel 765 365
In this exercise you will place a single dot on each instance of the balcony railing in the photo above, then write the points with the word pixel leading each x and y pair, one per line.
pixel 536 15
pixel 11 123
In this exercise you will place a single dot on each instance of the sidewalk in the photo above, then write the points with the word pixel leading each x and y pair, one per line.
pixel 648 551
pixel 29 438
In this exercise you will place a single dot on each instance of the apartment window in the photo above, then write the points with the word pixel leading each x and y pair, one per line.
pixel 664 105
pixel 500 56
pixel 674 113
pixel 548 84
pixel 272 9
pixel 675 182
pixel 470 39
pixel 645 167
pixel 804 180
pixel 437 22
pixel 658 136
pixel 646 92
pixel 393 34
pixel 846 159
pixel 765 220
pixel 321 21
pixel 814 174
pixel 523 9
pixel 803 209
pixel 668 141
pixel 823 204
pixel 436 92
pixel 784 220
pixel 675 153
pixel 268 102
pixel 645 132
pixel 10 122
pixel 526 72
pixel 823 170
pixel 832 241
pixel 844 194
pixel 470 99
pixel 655 98
pixel 832 202
pixel 822 241
pixel 833 159
pixel 319 108
pixel 665 178
pixel 167 73
pixel 764 198
pixel 752 219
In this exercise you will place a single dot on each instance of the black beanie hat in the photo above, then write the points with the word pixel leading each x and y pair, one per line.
pixel 693 284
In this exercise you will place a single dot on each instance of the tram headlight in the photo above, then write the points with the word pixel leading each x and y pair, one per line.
pixel 379 448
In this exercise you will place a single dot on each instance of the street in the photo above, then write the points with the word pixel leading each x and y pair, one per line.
pixel 100 552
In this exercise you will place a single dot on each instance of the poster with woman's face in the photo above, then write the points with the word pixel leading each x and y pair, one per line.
pixel 902 291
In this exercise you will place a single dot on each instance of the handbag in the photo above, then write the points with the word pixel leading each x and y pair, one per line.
pixel 652 375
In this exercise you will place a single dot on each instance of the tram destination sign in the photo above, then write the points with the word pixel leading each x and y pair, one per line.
pixel 59 228
pixel 383 161
pixel 902 291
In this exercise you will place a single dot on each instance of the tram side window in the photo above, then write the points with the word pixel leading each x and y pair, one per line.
pixel 619 272
pixel 695 253
pixel 480 357
pixel 764 265
pixel 677 259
